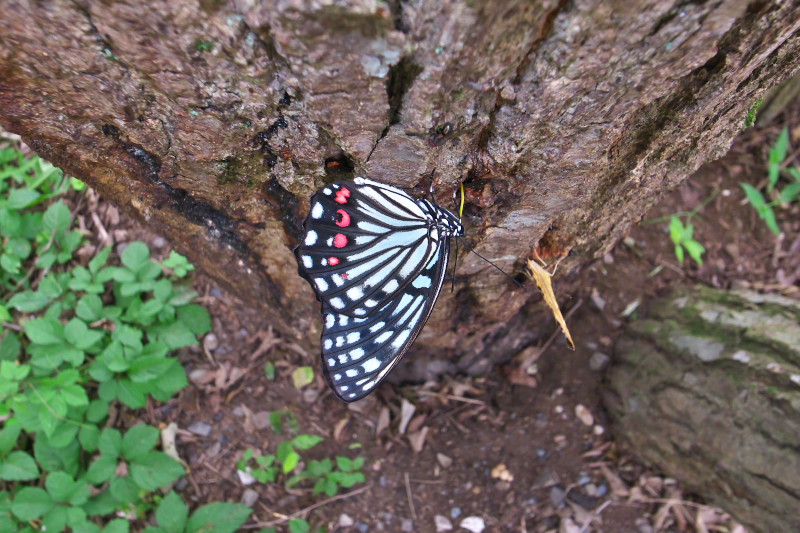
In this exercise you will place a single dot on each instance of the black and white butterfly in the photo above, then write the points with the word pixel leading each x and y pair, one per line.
pixel 376 259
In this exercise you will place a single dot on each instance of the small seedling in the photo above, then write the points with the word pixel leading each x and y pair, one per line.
pixel 764 204
pixel 683 238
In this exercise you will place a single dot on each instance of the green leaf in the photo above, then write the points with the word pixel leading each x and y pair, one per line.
pixel 44 331
pixel 51 458
pixel 18 466
pixel 769 217
pixel 89 436
pixel 302 376
pixel 172 513
pixel 31 503
pixel 63 488
pixel 99 260
pixel 298 525
pixel 57 218
pixel 79 335
pixel 218 517
pixel 136 256
pixel 138 441
pixel 675 229
pixel 696 251
pixel 291 461
pixel 9 435
pixel 124 490
pixel 344 463
pixel 306 442
pixel 754 196
pixel 118 525
pixel 269 370
pixel 155 470
pixel 89 308
pixel 679 253
pixel 9 347
pixel 110 442
pixel 776 156
pixel 790 192
pixel 101 469
pixel 21 198
pixel 196 318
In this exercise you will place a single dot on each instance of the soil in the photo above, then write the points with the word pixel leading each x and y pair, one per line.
pixel 527 448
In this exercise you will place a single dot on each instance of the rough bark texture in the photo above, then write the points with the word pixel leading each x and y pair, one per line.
pixel 214 120
pixel 708 389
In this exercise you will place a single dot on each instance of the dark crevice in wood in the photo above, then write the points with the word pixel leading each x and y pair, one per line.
pixel 218 225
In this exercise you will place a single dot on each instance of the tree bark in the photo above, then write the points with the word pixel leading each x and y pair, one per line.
pixel 707 388
pixel 213 121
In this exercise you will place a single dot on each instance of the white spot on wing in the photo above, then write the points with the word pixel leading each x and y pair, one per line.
pixel 357 354
pixel 383 337
pixel 328 344
pixel 343 320
pixel 353 337
pixel 331 361
pixel 421 282
pixel 355 293
pixel 339 341
pixel 316 211
pixel 369 385
pixel 327 191
pixel 401 339
pixel 337 303
pixel 351 373
pixel 329 242
pixel 307 261
pixel 371 364
pixel 375 327
pixel 391 286
pixel 311 238
pixel 338 280
pixel 330 320
pixel 322 285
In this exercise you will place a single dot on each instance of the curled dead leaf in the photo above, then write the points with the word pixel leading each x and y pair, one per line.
pixel 544 281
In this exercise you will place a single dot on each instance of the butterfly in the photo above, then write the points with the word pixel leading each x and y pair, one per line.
pixel 376 259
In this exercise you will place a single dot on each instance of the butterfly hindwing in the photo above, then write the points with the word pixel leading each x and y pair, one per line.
pixel 358 353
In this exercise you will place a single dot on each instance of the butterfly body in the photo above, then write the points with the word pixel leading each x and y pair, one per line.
pixel 376 259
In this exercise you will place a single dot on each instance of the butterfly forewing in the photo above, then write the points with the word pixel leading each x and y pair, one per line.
pixel 359 253
pixel 358 353
pixel 376 258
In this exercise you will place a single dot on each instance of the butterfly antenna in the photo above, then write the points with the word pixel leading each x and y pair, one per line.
pixel 517 283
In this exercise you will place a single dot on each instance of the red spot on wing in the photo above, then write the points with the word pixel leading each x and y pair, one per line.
pixel 342 195
pixel 340 240
pixel 333 261
pixel 345 220
pixel 344 275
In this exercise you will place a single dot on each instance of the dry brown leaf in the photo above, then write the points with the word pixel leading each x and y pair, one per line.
pixel 618 487
pixel 383 421
pixel 417 439
pixel 544 281
pixel 339 428
pixel 406 412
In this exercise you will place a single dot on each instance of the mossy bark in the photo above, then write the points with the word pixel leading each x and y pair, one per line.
pixel 707 388
pixel 214 120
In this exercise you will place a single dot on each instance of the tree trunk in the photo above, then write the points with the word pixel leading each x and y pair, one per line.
pixel 707 388
pixel 214 121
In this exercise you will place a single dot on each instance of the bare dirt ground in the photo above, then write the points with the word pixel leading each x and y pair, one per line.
pixel 524 449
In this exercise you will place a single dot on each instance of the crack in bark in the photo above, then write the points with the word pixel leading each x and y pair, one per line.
pixel 99 36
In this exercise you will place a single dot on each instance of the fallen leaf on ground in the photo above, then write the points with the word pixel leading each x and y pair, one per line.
pixel 543 280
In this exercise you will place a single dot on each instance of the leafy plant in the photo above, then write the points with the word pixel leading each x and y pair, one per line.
pixel 326 476
pixel 775 168
pixel 683 238
pixel 172 516
pixel 78 339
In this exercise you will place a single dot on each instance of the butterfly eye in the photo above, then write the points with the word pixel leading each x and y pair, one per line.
pixel 377 295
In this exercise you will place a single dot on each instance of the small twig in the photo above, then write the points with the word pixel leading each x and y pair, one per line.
pixel 308 509
pixel 410 497
pixel 451 397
